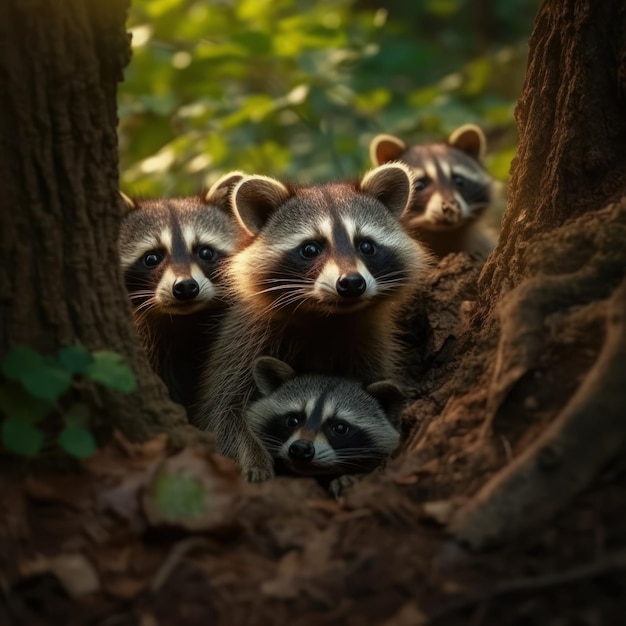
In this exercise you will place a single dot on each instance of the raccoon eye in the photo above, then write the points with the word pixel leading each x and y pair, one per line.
pixel 292 420
pixel 422 183
pixel 458 180
pixel 366 247
pixel 310 250
pixel 340 428
pixel 206 253
pixel 152 258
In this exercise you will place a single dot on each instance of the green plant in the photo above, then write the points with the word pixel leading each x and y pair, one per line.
pixel 38 386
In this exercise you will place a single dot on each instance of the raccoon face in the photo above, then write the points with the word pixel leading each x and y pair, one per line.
pixel 329 249
pixel 172 251
pixel 323 425
pixel 451 185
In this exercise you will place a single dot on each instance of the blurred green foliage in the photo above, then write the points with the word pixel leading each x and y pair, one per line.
pixel 297 88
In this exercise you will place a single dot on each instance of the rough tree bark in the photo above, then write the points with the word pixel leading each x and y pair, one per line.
pixel 551 298
pixel 60 63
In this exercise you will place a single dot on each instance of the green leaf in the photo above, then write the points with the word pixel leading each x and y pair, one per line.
pixel 179 496
pixel 47 382
pixel 109 369
pixel 21 437
pixel 77 416
pixel 77 442
pixel 16 402
pixel 75 359
pixel 20 361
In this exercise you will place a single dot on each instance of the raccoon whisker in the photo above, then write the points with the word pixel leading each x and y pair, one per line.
pixel 140 294
pixel 149 303
pixel 284 279
pixel 281 288
pixel 284 300
pixel 397 274
pixel 141 311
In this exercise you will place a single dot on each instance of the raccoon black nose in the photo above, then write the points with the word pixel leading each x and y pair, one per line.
pixel 186 289
pixel 351 285
pixel 302 450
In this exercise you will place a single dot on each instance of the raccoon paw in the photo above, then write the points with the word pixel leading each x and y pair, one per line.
pixel 341 483
pixel 257 474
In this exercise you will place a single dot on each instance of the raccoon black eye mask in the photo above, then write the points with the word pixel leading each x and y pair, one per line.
pixel 172 253
pixel 323 425
pixel 452 190
pixel 320 284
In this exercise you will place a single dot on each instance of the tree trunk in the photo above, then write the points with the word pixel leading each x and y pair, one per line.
pixel 59 276
pixel 550 311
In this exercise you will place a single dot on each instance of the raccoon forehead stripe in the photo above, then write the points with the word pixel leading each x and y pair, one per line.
pixel 431 169
pixel 318 412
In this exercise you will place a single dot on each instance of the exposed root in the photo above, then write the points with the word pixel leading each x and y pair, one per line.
pixel 522 314
pixel 565 459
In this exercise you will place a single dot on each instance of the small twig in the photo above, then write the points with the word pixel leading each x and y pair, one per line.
pixel 608 564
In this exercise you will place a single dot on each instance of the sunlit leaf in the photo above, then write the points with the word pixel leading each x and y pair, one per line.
pixel 110 369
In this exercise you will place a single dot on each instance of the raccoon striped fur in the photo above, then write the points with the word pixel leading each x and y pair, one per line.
pixel 452 190
pixel 171 253
pixel 326 272
pixel 322 425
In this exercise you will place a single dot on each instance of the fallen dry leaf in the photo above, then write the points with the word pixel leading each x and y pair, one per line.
pixel 439 510
pixel 74 571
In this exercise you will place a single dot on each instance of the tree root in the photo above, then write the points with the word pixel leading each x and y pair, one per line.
pixel 522 318
pixel 603 566
pixel 586 435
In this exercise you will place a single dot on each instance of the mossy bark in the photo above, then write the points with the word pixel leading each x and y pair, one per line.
pixel 59 279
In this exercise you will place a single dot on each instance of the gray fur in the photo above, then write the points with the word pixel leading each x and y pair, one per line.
pixel 342 399
pixel 307 329
pixel 176 332
pixel 444 216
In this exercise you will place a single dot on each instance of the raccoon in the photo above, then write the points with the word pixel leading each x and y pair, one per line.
pixel 452 190
pixel 172 252
pixel 322 425
pixel 326 271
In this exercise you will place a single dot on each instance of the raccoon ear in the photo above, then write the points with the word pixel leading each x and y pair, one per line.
pixel 128 204
pixel 470 139
pixel 390 397
pixel 385 148
pixel 269 374
pixel 255 198
pixel 392 184
pixel 220 192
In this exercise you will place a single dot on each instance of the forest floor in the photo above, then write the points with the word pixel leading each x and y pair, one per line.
pixel 142 535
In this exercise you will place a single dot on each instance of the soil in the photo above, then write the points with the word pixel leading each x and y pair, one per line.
pixel 101 543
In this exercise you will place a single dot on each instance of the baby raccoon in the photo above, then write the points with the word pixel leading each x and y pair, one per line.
pixel 171 252
pixel 451 190
pixel 314 424
pixel 319 286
